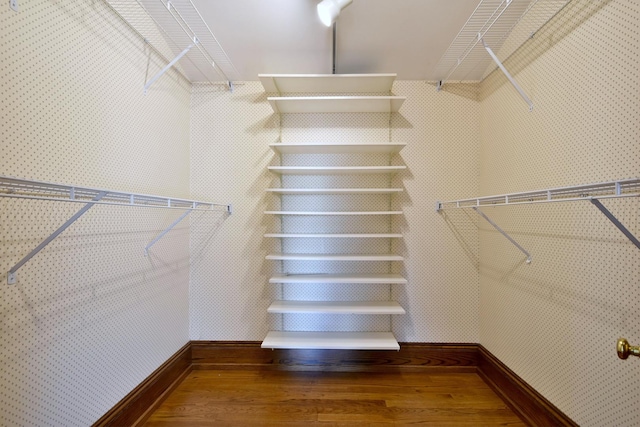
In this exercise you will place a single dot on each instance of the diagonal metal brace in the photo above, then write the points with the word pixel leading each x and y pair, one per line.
pixel 11 275
pixel 161 235
pixel 170 64
pixel 504 233
pixel 615 222
pixel 507 74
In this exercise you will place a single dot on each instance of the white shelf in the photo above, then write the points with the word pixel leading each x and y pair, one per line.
pixel 334 257
pixel 326 83
pixel 331 340
pixel 336 307
pixel 334 213
pixel 336 104
pixel 321 93
pixel 339 236
pixel 335 170
pixel 337 147
pixel 334 190
pixel 392 279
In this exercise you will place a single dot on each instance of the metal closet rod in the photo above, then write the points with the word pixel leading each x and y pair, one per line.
pixel 587 192
pixel 40 190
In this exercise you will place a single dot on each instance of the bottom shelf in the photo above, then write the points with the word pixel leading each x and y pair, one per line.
pixel 331 340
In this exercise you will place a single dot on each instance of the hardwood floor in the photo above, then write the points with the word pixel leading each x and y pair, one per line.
pixel 261 397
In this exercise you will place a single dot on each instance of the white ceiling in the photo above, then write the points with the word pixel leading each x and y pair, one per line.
pixel 407 37
pixel 416 39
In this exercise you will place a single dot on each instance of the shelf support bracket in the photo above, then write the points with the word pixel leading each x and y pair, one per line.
pixel 161 235
pixel 504 233
pixel 506 73
pixel 11 274
pixel 169 65
pixel 615 222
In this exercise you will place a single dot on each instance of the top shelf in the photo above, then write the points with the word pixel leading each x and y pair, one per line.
pixel 331 93
pixel 327 83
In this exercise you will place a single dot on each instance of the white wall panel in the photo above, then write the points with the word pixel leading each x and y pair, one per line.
pixel 229 148
pixel 230 137
pixel 90 316
pixel 555 322
pixel 441 130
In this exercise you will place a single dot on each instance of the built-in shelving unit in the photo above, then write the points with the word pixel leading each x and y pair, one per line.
pixel 341 94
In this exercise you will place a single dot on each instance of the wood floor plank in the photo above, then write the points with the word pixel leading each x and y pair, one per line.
pixel 290 398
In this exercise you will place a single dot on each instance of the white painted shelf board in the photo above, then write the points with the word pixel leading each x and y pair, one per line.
pixel 386 279
pixel 336 307
pixel 333 213
pixel 337 147
pixel 336 104
pixel 339 236
pixel 334 190
pixel 335 170
pixel 334 257
pixel 331 340
pixel 326 83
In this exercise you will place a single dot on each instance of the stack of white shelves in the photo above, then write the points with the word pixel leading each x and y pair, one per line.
pixel 356 86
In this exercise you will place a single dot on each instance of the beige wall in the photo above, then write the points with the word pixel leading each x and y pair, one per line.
pixel 555 321
pixel 230 292
pixel 230 133
pixel 90 316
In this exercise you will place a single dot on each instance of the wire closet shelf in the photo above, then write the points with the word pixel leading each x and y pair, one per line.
pixel 40 190
pixel 491 28
pixel 603 190
pixel 587 192
pixel 493 21
pixel 19 188
pixel 175 28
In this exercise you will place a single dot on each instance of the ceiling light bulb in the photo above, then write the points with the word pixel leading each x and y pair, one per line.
pixel 328 10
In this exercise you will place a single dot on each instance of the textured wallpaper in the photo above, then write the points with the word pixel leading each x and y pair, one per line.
pixel 230 293
pixel 555 322
pixel 91 316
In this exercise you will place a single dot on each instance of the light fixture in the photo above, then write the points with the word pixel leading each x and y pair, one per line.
pixel 328 10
